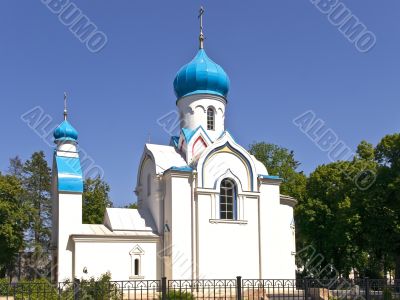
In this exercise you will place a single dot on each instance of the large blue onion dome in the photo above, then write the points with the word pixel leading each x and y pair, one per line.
pixel 201 76
pixel 65 132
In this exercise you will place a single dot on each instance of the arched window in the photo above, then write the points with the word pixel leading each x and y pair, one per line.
pixel 227 200
pixel 210 119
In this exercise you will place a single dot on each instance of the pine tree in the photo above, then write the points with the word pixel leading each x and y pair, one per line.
pixel 36 182
pixel 16 168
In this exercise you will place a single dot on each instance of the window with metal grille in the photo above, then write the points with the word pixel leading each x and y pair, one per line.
pixel 227 200
pixel 210 119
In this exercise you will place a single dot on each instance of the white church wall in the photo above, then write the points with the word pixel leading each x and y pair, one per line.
pixel 287 246
pixel 150 192
pixel 54 209
pixel 227 249
pixel 68 148
pixel 276 242
pixel 179 220
pixel 193 112
pixel 69 221
pixel 99 257
pixel 167 244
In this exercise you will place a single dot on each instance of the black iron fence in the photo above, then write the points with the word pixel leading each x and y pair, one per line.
pixel 213 289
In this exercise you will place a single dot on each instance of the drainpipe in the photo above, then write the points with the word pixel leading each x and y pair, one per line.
pixel 194 225
pixel 162 182
pixel 259 230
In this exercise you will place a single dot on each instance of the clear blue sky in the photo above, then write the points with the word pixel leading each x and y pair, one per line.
pixel 283 58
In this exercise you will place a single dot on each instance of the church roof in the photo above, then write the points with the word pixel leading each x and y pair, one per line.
pixel 165 157
pixel 100 230
pixel 125 219
pixel 188 133
pixel 175 141
pixel 287 200
pixel 65 131
pixel 201 76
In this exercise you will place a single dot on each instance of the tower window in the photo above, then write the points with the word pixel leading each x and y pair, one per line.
pixel 210 119
pixel 227 201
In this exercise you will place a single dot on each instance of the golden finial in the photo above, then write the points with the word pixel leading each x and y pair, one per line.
pixel 65 106
pixel 201 37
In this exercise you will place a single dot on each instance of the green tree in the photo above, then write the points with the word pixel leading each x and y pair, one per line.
pixel 36 183
pixel 388 189
pixel 95 200
pixel 327 219
pixel 13 221
pixel 333 216
pixel 281 162
pixel 132 206
pixel 16 167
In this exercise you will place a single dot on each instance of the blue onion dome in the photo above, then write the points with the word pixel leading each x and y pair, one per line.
pixel 201 76
pixel 65 132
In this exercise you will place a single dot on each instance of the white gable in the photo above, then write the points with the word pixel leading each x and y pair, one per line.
pixel 137 250
pixel 165 157
pixel 261 169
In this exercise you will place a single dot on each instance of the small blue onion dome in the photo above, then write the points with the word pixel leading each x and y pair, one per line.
pixel 201 76
pixel 65 132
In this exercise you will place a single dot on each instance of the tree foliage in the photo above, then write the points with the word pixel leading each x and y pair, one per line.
pixel 132 206
pixel 281 162
pixel 36 182
pixel 351 211
pixel 25 213
pixel 387 193
pixel 95 200
pixel 13 221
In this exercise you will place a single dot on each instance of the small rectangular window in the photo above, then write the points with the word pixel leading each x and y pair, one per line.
pixel 137 266
pixel 210 119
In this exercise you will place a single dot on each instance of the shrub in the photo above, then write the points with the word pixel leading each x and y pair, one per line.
pixel 100 289
pixel 387 294
pixel 39 289
pixel 4 287
pixel 179 295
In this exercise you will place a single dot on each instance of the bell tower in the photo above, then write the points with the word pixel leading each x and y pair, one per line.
pixel 201 88
pixel 66 190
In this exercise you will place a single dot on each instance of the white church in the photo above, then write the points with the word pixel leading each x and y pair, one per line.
pixel 207 209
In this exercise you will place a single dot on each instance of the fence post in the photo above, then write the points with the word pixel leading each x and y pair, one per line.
pixel 76 288
pixel 239 288
pixel 163 288
pixel 305 288
pixel 367 288
pixel 14 291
